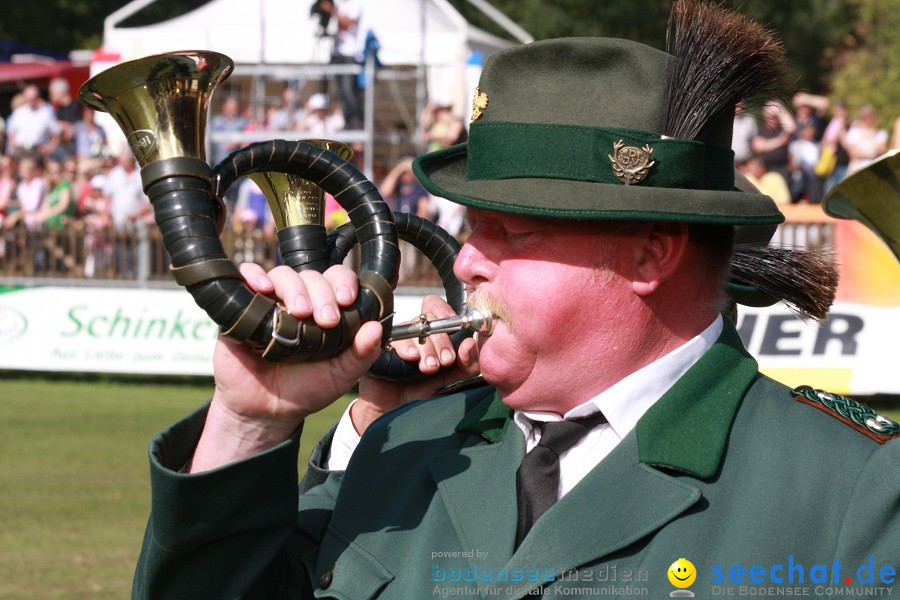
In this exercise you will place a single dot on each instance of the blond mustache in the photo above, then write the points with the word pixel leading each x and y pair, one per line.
pixel 481 301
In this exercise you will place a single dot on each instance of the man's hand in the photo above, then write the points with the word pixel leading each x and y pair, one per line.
pixel 257 404
pixel 436 357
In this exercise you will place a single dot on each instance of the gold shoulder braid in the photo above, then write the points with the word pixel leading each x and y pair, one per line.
pixel 856 415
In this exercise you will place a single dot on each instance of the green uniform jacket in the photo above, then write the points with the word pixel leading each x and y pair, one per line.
pixel 755 488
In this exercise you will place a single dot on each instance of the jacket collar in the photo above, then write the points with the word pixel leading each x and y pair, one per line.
pixel 686 430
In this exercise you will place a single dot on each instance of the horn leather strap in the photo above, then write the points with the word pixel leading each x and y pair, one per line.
pixel 198 272
pixel 379 286
pixel 287 327
pixel 252 317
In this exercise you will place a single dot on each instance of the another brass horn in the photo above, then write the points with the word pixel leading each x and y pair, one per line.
pixel 298 208
pixel 292 199
pixel 872 197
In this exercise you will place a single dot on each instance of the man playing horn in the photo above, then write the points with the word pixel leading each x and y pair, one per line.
pixel 618 424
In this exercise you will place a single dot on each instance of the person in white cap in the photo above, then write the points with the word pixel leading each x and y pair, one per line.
pixel 318 121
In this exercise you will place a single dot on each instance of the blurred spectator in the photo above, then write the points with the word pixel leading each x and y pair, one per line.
pixel 285 115
pixel 252 217
pixel 30 193
pixel 129 210
pixel 68 113
pixel 809 110
pixel 335 215
pixel 770 183
pixel 450 215
pixel 227 121
pixel 442 129
pixel 743 132
pixel 833 141
pixel 772 138
pixel 7 185
pixel 89 140
pixel 32 127
pixel 317 121
pixel 804 156
pixel 347 14
pixel 864 140
pixel 403 193
pixel 128 206
pixel 895 136
pixel 252 209
pixel 96 215
pixel 96 220
pixel 59 206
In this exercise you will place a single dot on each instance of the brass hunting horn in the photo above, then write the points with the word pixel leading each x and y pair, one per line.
pixel 297 205
pixel 872 197
pixel 161 102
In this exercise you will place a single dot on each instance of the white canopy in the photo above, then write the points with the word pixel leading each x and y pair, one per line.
pixel 282 32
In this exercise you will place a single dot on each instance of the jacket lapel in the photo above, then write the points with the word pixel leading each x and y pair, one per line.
pixel 618 503
pixel 478 483
pixel 625 498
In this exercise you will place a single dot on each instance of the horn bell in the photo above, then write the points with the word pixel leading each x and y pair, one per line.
pixel 160 102
pixel 292 199
pixel 872 197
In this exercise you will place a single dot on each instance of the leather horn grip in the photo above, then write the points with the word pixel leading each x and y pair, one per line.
pixel 184 206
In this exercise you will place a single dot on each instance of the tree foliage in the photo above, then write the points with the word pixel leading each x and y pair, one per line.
pixel 810 30
pixel 57 25
pixel 867 71
pixel 842 47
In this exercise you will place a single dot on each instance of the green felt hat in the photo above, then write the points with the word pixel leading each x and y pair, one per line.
pixel 570 128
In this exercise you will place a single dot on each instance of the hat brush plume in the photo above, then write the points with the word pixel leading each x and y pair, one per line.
pixel 718 58
pixel 809 275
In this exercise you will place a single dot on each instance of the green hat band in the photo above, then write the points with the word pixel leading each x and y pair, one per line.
pixel 499 150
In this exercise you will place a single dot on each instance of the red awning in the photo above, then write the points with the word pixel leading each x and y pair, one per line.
pixel 18 73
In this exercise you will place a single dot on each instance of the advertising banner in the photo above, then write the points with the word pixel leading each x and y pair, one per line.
pixel 156 331
pixel 113 330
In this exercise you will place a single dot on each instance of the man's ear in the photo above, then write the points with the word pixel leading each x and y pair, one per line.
pixel 659 256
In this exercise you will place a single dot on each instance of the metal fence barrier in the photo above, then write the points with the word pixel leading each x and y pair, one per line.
pixel 77 253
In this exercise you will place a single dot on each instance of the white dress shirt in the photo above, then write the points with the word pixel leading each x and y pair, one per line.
pixel 623 404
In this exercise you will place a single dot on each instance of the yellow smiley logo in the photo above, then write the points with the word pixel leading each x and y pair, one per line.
pixel 682 573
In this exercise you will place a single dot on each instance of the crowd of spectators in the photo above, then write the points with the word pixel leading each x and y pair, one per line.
pixel 59 172
pixel 797 154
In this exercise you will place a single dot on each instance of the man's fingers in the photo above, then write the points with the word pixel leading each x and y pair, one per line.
pixel 437 307
pixel 291 290
pixel 364 351
pixel 309 293
pixel 256 277
pixel 344 282
pixel 468 357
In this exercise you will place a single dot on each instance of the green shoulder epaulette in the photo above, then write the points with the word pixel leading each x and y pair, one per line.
pixel 856 415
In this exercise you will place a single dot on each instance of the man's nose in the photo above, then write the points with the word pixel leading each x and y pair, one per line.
pixel 472 267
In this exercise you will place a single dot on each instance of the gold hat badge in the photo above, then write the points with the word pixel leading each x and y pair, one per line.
pixel 631 164
pixel 479 104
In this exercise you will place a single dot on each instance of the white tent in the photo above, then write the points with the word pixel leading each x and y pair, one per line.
pixel 282 32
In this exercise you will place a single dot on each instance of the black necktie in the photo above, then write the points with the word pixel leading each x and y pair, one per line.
pixel 537 480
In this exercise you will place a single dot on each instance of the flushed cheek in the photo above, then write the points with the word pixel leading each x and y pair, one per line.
pixel 503 360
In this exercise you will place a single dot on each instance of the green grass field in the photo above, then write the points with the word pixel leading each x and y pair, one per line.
pixel 74 489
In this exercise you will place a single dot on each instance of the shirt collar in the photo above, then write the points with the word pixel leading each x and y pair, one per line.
pixel 625 402
pixel 686 430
